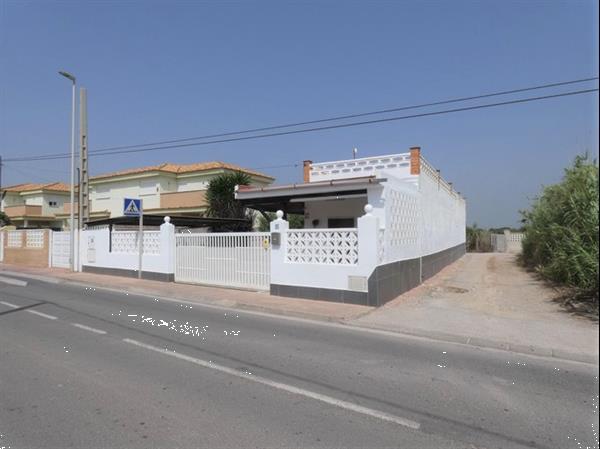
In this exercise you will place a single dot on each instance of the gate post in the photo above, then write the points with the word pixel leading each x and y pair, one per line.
pixel 279 225
pixel 48 241
pixel 167 247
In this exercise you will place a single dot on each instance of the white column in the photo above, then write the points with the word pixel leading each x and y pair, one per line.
pixel 49 240
pixel 281 226
pixel 167 245
pixel 368 228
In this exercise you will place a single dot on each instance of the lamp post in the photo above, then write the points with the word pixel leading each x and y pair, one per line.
pixel 72 226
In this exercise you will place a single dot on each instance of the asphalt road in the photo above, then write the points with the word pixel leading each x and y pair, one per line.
pixel 84 367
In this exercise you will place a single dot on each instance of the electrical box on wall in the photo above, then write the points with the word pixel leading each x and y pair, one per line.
pixel 358 283
pixel 275 238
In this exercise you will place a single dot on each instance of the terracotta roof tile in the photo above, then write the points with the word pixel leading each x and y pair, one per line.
pixel 181 168
pixel 31 187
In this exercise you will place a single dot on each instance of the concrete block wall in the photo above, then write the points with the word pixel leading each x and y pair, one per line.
pixel 340 283
pixel 24 255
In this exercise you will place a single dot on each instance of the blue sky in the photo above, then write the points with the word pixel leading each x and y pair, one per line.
pixel 157 70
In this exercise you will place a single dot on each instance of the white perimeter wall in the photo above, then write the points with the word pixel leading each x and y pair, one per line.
pixel 94 252
pixel 443 215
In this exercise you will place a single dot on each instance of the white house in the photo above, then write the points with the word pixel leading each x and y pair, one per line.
pixel 374 228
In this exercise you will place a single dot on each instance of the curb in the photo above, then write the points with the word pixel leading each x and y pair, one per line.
pixel 200 301
pixel 490 344
pixel 476 342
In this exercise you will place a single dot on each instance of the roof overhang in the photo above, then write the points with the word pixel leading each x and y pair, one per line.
pixel 291 198
pixel 157 220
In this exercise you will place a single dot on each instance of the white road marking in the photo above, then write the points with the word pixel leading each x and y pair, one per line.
pixel 87 328
pixel 8 304
pixel 35 312
pixel 11 281
pixel 285 387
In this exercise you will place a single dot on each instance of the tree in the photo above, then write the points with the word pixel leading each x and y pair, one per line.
pixel 222 202
pixel 4 220
pixel 561 231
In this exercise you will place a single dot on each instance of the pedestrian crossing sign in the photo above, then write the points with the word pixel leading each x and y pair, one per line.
pixel 132 207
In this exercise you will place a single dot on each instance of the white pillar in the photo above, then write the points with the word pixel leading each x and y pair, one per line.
pixel 167 245
pixel 281 226
pixel 368 229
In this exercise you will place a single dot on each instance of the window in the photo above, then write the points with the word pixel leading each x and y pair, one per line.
pixel 52 204
pixel 340 222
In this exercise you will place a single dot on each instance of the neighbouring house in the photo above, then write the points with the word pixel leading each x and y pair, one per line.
pixel 166 189
pixel 35 205
pixel 373 228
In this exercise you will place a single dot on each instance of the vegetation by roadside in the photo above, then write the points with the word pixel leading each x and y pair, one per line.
pixel 479 240
pixel 4 220
pixel 561 234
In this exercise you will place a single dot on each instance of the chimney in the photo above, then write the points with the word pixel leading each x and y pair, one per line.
pixel 415 160
pixel 306 167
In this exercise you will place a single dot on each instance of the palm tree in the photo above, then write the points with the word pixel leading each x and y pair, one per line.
pixel 222 203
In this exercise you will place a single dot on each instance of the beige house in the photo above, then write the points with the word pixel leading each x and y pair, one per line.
pixel 166 189
pixel 35 205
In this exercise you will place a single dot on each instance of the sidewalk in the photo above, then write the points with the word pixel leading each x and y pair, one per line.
pixel 483 300
pixel 240 299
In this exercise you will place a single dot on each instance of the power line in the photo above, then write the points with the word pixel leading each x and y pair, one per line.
pixel 329 119
pixel 362 114
pixel 321 128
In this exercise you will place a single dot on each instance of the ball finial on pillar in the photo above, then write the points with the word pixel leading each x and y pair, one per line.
pixel 167 219
pixel 279 214
pixel 368 209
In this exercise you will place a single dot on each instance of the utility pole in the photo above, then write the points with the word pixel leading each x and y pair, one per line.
pixel 83 200
pixel 72 215
pixel 84 185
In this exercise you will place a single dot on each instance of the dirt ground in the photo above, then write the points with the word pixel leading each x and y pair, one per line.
pixel 489 295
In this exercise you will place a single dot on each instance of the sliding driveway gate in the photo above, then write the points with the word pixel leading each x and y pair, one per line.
pixel 61 249
pixel 233 259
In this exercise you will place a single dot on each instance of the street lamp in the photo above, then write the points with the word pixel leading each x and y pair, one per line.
pixel 72 226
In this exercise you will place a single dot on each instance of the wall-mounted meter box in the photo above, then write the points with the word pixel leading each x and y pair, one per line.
pixel 275 238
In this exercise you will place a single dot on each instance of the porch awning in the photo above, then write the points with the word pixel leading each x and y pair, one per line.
pixel 291 198
pixel 157 220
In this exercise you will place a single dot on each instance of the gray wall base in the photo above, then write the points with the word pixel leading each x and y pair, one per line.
pixel 385 283
pixel 153 276
pixel 392 279
pixel 322 294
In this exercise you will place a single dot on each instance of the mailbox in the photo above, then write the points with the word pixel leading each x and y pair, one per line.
pixel 275 238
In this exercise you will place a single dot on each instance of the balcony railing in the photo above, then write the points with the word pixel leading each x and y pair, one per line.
pixel 66 209
pixel 177 200
pixel 23 211
pixel 356 168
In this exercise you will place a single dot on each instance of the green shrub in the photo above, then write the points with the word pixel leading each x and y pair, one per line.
pixel 478 240
pixel 561 230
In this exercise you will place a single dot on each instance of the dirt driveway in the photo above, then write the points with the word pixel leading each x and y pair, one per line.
pixel 488 296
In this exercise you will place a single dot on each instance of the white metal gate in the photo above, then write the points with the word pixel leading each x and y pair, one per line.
pixel 233 259
pixel 61 249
